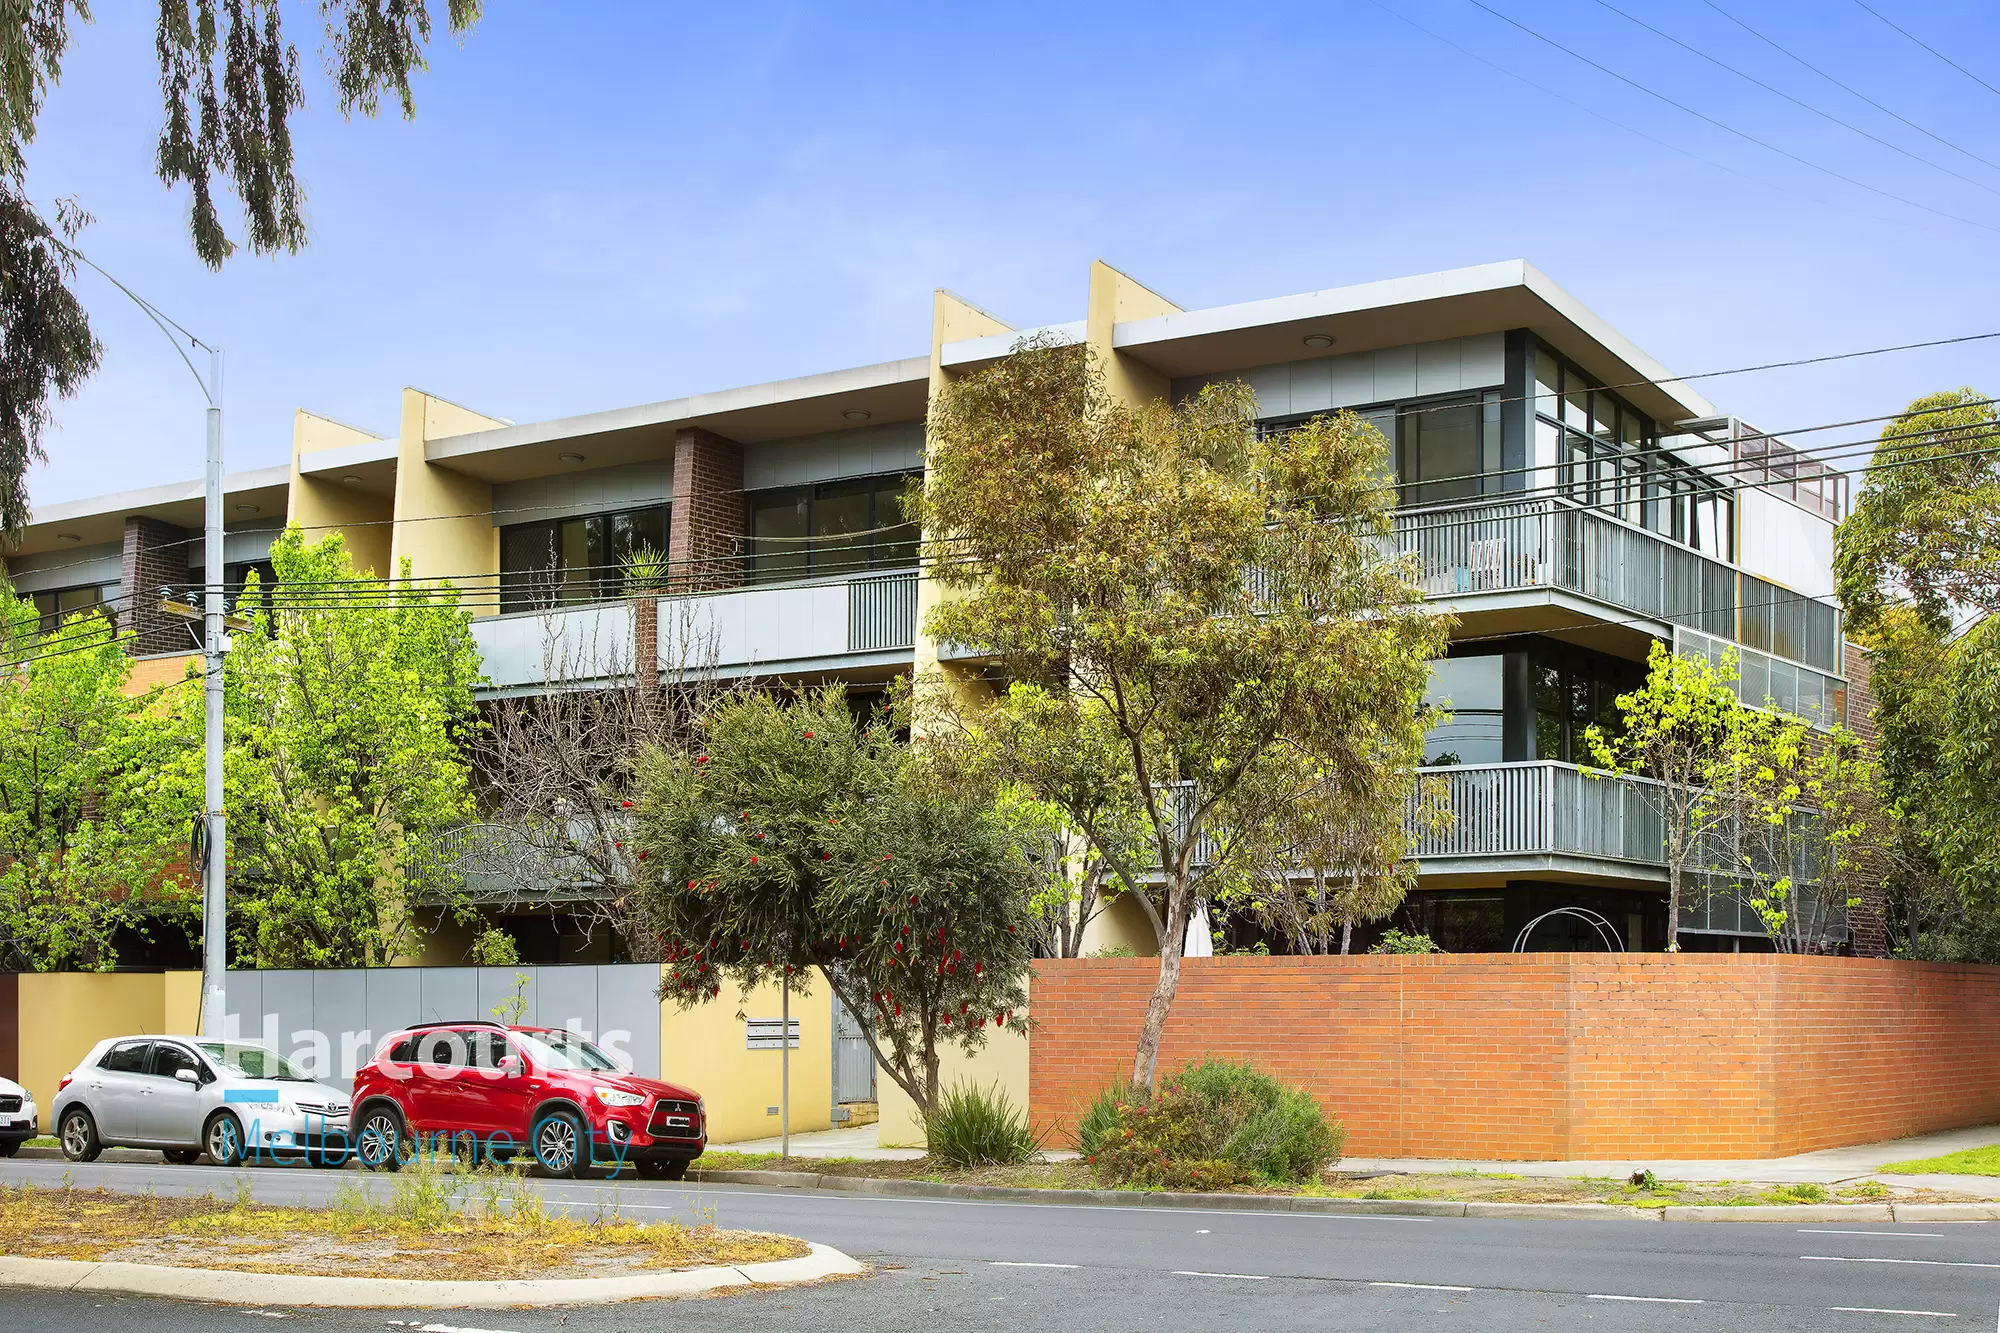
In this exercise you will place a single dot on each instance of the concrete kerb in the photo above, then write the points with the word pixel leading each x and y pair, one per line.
pixel 291 1289
pixel 1283 1203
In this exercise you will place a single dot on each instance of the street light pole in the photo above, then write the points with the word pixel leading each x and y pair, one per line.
pixel 214 900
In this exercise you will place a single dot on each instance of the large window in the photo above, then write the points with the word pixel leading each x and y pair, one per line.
pixel 1607 458
pixel 832 528
pixel 1448 450
pixel 570 560
pixel 1471 689
pixel 1575 689
pixel 58 605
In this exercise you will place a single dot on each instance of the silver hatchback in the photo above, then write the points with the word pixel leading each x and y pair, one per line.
pixel 236 1101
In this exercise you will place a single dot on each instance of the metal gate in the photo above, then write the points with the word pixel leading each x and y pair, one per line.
pixel 853 1062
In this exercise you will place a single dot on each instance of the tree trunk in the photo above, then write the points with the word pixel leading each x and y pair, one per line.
pixel 1164 989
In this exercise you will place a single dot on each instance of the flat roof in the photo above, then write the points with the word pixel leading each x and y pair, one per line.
pixel 101 518
pixel 1486 298
pixel 779 410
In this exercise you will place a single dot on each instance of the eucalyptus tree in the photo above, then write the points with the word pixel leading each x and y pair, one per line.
pixel 229 80
pixel 1185 605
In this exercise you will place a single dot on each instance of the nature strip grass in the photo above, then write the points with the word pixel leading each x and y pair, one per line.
pixel 490 1224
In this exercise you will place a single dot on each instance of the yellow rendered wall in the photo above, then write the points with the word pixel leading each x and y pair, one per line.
pixel 444 521
pixel 1121 924
pixel 1115 298
pixel 64 1014
pixel 703 1048
pixel 320 506
pixel 953 319
pixel 1002 1063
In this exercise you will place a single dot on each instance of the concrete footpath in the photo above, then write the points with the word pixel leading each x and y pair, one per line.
pixel 1830 1166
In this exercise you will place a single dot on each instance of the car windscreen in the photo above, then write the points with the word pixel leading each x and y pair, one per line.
pixel 252 1061
pixel 564 1050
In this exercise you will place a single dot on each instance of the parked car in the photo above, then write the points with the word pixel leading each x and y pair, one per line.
pixel 18 1121
pixel 499 1091
pixel 190 1095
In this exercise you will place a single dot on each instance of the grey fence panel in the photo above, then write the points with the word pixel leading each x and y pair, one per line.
pixel 496 992
pixel 628 1001
pixel 566 997
pixel 395 999
pixel 450 994
pixel 343 991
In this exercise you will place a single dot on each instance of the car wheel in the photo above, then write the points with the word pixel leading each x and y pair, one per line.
pixel 663 1168
pixel 378 1144
pixel 561 1144
pixel 223 1138
pixel 181 1156
pixel 79 1136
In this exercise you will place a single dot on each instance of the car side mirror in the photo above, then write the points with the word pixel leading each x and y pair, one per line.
pixel 510 1066
pixel 187 1076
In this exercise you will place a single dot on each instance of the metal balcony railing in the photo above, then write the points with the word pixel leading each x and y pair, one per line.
pixel 1519 545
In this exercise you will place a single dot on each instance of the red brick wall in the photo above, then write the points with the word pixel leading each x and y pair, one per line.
pixel 704 539
pixel 1539 1056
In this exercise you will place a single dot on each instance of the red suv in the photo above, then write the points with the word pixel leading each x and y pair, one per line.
pixel 501 1091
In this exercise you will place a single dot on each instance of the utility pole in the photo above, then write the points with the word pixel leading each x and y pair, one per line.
pixel 214 899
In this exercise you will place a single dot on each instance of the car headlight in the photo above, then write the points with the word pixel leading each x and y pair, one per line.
pixel 613 1097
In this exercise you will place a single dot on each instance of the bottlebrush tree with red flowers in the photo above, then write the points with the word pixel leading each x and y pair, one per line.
pixel 794 839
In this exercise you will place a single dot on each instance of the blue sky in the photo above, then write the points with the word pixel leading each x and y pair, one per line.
pixel 611 204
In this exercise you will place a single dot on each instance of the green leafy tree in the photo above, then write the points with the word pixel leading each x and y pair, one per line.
pixel 1717 768
pixel 798 838
pixel 1918 566
pixel 229 81
pixel 93 828
pixel 1185 605
pixel 349 703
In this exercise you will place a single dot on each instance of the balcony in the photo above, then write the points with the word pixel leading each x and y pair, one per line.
pixel 856 621
pixel 1545 819
pixel 1508 553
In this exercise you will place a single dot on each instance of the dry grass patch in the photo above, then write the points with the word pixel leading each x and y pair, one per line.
pixel 483 1226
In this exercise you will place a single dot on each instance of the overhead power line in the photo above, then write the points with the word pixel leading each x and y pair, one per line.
pixel 1775 91
pixel 1727 128
pixel 1848 87
pixel 1928 47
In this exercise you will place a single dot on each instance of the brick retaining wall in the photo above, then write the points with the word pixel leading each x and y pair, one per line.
pixel 1540 1056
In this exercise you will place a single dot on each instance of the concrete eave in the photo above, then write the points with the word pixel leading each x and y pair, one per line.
pixel 1456 303
pixel 783 409
pixel 102 518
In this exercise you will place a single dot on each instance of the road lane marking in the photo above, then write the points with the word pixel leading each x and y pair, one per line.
pixel 1419 1286
pixel 1869 1309
pixel 1835 1231
pixel 1933 1263
pixel 1240 1277
pixel 1650 1300
pixel 1024 1263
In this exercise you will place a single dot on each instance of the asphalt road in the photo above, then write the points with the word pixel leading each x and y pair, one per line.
pixel 960 1264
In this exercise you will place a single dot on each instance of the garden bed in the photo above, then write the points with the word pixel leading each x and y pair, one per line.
pixel 486 1228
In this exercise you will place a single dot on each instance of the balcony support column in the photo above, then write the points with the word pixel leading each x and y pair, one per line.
pixel 710 515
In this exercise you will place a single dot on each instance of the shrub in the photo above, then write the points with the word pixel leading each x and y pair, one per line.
pixel 1211 1125
pixel 1104 1117
pixel 974 1126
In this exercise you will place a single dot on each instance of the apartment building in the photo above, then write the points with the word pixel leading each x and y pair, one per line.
pixel 1567 499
